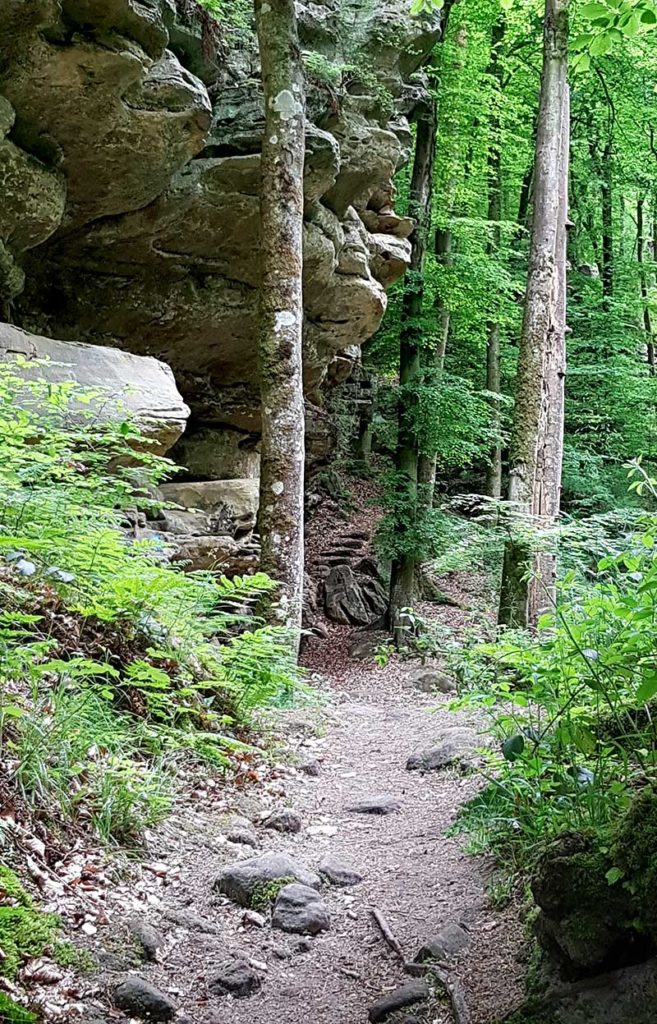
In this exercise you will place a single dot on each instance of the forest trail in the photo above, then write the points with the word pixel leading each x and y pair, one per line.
pixel 370 721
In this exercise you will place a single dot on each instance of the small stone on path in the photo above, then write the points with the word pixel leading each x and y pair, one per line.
pixel 311 768
pixel 235 977
pixel 338 873
pixel 430 680
pixel 406 995
pixel 299 908
pixel 252 917
pixel 453 746
pixel 450 940
pixel 147 936
pixel 243 838
pixel 241 880
pixel 190 921
pixel 284 821
pixel 376 805
pixel 138 998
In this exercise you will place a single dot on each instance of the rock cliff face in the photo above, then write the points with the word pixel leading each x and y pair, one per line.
pixel 129 170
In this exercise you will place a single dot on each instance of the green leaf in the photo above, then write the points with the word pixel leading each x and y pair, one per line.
pixel 614 875
pixel 513 747
pixel 648 688
pixel 649 17
pixel 583 41
pixel 594 10
pixel 600 45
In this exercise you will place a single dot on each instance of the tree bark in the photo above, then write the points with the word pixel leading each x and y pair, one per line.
pixel 607 224
pixel 427 463
pixel 493 485
pixel 643 284
pixel 421 190
pixel 281 309
pixel 537 437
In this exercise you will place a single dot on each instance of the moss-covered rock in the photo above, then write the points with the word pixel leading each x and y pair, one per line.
pixel 585 923
pixel 635 854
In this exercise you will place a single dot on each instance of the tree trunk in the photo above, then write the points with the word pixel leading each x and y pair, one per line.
pixel 640 249
pixel 537 437
pixel 427 463
pixel 607 225
pixel 494 471
pixel 403 566
pixel 281 308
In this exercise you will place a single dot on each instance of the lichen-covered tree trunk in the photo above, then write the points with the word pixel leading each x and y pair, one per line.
pixel 493 383
pixel 403 566
pixel 541 594
pixel 281 308
pixel 537 437
pixel 427 462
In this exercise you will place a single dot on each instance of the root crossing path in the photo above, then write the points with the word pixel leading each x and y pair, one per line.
pixel 355 747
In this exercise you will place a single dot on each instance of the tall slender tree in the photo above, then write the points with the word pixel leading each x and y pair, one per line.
pixel 402 578
pixel 281 307
pixel 537 436
pixel 493 348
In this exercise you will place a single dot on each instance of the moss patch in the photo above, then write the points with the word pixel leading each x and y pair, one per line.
pixel 634 854
pixel 24 930
pixel 266 893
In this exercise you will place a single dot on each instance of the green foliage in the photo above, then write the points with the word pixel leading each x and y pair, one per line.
pixel 235 15
pixel 570 706
pixel 12 1013
pixel 125 664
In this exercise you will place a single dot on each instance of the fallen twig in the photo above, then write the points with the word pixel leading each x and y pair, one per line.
pixel 387 933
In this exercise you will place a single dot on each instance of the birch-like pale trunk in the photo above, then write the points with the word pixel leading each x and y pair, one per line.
pixel 537 438
pixel 281 308
pixel 493 346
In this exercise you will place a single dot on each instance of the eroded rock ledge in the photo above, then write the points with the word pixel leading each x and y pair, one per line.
pixel 129 168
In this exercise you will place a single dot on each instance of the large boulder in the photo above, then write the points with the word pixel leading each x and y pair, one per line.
pixel 585 924
pixel 127 386
pixel 230 506
pixel 353 599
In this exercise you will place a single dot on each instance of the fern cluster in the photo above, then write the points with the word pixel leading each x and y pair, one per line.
pixel 114 664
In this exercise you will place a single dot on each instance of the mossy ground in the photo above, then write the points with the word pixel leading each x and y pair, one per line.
pixel 24 930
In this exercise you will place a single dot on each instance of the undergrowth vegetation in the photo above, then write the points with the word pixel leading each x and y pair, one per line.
pixel 572 704
pixel 115 666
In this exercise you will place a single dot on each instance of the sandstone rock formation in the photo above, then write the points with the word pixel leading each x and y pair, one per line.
pixel 129 166
pixel 139 387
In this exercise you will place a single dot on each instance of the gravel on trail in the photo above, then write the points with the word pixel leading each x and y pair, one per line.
pixel 360 736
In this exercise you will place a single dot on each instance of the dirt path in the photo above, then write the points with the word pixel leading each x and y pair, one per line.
pixel 361 738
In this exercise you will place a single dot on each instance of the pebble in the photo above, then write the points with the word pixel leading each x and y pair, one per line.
pixel 137 997
pixel 380 805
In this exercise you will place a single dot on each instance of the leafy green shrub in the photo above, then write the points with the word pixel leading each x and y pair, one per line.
pixel 114 664
pixel 571 704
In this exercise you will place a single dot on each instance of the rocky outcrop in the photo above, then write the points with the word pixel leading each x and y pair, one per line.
pixel 130 197
pixel 210 524
pixel 125 385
